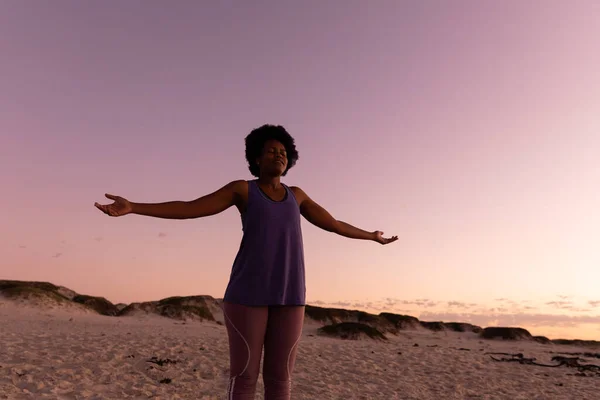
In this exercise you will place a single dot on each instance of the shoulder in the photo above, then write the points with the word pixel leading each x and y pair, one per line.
pixel 238 184
pixel 238 190
pixel 238 187
pixel 299 194
pixel 296 189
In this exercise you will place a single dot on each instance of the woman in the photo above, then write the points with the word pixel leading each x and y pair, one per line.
pixel 264 301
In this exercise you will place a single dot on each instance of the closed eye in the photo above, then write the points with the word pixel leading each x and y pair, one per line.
pixel 274 151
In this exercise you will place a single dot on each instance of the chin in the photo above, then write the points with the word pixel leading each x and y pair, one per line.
pixel 278 170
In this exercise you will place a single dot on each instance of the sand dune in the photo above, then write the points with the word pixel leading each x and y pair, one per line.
pixel 73 352
pixel 46 295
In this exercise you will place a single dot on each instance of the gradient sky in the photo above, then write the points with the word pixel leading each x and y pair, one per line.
pixel 470 129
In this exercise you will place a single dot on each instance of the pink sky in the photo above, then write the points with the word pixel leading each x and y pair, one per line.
pixel 469 129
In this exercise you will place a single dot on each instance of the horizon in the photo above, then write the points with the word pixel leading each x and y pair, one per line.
pixel 469 130
pixel 475 319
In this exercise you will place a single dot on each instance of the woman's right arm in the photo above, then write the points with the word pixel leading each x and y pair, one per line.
pixel 211 204
pixel 204 206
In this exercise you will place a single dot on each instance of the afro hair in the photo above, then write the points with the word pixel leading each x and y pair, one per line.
pixel 256 140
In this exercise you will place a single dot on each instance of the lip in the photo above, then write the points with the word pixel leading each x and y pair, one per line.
pixel 280 162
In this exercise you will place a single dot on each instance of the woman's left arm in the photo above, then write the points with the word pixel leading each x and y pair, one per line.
pixel 320 217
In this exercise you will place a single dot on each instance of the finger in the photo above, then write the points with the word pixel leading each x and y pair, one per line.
pixel 105 209
pixel 110 196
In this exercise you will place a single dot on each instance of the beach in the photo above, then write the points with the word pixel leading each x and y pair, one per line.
pixel 76 354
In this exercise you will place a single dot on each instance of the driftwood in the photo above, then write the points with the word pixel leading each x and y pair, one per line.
pixel 161 362
pixel 588 355
pixel 571 362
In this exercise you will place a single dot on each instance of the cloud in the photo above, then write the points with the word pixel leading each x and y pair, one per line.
pixel 459 304
pixel 565 305
pixel 383 305
pixel 390 302
pixel 56 255
pixel 341 304
pixel 594 303
pixel 507 301
pixel 22 246
pixel 507 306
pixel 519 319
pixel 98 238
pixel 162 234
pixel 426 303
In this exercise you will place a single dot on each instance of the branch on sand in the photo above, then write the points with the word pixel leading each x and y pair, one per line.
pixel 571 362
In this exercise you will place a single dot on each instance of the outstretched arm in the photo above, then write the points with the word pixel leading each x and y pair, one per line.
pixel 204 206
pixel 320 217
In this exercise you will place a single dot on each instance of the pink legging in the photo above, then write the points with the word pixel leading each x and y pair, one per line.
pixel 278 329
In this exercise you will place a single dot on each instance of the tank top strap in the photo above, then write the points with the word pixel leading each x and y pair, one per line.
pixel 254 191
pixel 290 194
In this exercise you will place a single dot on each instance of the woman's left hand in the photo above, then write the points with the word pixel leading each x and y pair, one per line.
pixel 378 237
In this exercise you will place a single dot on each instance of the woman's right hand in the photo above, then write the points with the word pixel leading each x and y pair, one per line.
pixel 121 206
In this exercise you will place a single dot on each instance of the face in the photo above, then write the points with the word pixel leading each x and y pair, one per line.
pixel 273 160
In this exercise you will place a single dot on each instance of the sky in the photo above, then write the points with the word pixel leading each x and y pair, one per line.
pixel 469 129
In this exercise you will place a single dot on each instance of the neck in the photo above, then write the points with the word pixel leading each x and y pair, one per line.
pixel 270 181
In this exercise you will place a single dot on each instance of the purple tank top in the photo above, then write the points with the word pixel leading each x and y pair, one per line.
pixel 269 266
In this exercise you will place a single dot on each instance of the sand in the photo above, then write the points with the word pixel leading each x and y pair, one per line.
pixel 54 354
